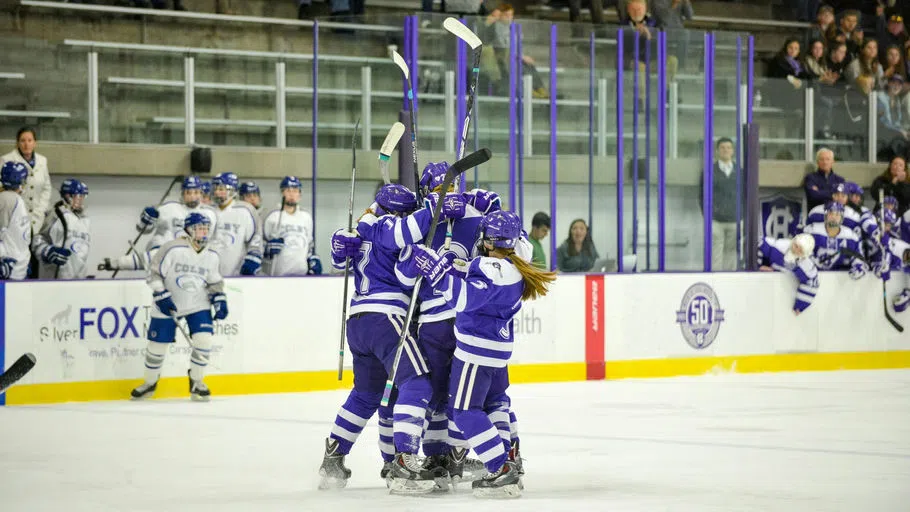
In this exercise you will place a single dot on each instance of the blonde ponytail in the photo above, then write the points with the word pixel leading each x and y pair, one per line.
pixel 536 280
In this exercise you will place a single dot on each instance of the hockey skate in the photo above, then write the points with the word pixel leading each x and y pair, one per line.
pixel 515 457
pixel 333 472
pixel 144 390
pixel 199 392
pixel 462 468
pixel 408 476
pixel 504 483
pixel 437 466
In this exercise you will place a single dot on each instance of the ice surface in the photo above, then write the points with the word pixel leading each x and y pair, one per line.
pixel 775 442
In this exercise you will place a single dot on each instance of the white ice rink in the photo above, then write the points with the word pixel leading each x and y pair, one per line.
pixel 802 442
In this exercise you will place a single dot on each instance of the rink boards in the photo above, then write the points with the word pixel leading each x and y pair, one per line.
pixel 282 334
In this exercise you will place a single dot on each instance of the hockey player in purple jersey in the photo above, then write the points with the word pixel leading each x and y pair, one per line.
pixel 836 248
pixel 896 262
pixel 486 298
pixel 793 256
pixel 867 231
pixel 374 326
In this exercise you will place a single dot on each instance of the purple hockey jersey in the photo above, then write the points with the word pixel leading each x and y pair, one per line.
pixel 771 253
pixel 829 251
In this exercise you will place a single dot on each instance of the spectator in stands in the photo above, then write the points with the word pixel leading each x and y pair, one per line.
pixel 847 32
pixel 805 9
pixel 577 253
pixel 894 182
pixel 723 218
pixel 865 71
pixel 597 11
pixel 787 91
pixel 820 184
pixel 36 191
pixel 895 34
pixel 303 9
pixel 643 25
pixel 495 53
pixel 892 137
pixel 893 63
pixel 822 78
pixel 824 21
pixel 671 15
pixel 540 228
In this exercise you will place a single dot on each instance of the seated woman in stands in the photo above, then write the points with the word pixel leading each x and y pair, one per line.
pixel 577 253
pixel 790 75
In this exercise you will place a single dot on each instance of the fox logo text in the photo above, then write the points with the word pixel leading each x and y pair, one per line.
pixel 109 322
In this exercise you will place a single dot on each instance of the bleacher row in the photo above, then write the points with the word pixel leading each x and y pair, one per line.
pixel 142 81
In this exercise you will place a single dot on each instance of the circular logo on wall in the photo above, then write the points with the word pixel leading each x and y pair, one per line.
pixel 699 316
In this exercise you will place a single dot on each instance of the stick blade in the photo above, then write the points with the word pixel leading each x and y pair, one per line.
pixel 391 140
pixel 459 30
pixel 399 61
pixel 18 370
pixel 476 158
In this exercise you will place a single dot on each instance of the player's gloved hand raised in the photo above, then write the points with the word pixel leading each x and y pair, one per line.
pixel 164 302
pixel 6 267
pixel 251 264
pixel 148 218
pixel 429 264
pixel 219 304
pixel 857 270
pixel 483 201
pixel 55 255
pixel 315 266
pixel 453 205
pixel 274 247
pixel 345 244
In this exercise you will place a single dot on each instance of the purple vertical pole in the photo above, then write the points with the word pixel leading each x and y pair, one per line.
pixel 750 76
pixel 521 144
pixel 406 43
pixel 737 168
pixel 591 108
pixel 315 122
pixel 553 119
pixel 708 185
pixel 461 90
pixel 620 156
pixel 635 110
pixel 647 156
pixel 661 150
pixel 415 54
pixel 513 148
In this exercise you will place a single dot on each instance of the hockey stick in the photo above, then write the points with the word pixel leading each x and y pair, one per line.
pixel 177 179
pixel 403 66
pixel 18 370
pixel 388 146
pixel 59 213
pixel 885 254
pixel 465 34
pixel 347 260
pixel 455 170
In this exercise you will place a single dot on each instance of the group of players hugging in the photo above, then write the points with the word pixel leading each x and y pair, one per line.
pixel 843 234
pixel 451 379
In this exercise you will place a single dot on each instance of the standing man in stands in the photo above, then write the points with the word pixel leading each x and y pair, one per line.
pixel 821 184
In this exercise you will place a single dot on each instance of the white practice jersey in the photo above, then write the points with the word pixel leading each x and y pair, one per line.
pixel 171 215
pixel 238 232
pixel 190 276
pixel 297 231
pixel 78 241
pixel 15 232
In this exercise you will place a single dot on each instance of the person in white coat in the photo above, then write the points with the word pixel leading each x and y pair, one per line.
pixel 36 191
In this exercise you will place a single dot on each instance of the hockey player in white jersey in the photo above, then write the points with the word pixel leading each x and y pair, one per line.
pixel 15 225
pixel 164 223
pixel 289 236
pixel 207 193
pixel 238 235
pixel 896 263
pixel 836 248
pixel 250 193
pixel 793 256
pixel 65 259
pixel 185 284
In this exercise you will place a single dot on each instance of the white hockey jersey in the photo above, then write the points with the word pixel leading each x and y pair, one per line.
pixel 171 215
pixel 78 241
pixel 297 230
pixel 15 233
pixel 190 276
pixel 238 233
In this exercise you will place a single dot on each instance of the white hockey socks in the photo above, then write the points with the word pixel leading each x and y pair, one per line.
pixel 202 349
pixel 154 359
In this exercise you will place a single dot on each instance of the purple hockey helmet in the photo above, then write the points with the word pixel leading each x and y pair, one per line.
pixel 501 228
pixel 395 198
pixel 433 175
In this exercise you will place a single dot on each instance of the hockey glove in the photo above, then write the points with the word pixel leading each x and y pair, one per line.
pixel 55 255
pixel 6 267
pixel 315 266
pixel 345 244
pixel 453 206
pixel 274 247
pixel 430 265
pixel 164 302
pixel 219 304
pixel 483 201
pixel 251 264
pixel 857 270
pixel 902 301
pixel 148 218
